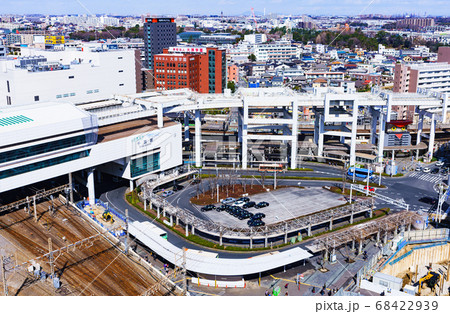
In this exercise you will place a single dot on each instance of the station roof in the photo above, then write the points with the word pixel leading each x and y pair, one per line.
pixel 124 129
pixel 26 123
pixel 206 264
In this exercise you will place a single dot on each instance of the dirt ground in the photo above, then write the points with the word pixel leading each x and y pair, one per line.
pixel 235 191
pixel 94 268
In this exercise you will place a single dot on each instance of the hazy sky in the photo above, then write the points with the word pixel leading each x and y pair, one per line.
pixel 232 7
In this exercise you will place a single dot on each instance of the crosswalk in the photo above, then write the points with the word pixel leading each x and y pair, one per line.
pixel 433 178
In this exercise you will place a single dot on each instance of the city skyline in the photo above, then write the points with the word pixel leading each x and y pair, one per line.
pixel 228 7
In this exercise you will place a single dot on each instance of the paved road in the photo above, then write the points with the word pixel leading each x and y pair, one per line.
pixel 410 188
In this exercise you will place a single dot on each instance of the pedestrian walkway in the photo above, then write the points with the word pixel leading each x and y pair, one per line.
pixel 433 178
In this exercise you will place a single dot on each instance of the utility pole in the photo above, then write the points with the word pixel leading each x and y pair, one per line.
pixel 5 287
pixel 127 240
pixel 50 257
pixel 34 203
pixel 184 272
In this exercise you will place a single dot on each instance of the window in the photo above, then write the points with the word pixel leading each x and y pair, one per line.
pixel 71 77
pixel 121 84
pixel 43 164
pixel 72 94
pixel 120 71
pixel 8 100
pixel 36 98
pixel 7 85
pixel 120 58
pixel 42 148
pixel 58 96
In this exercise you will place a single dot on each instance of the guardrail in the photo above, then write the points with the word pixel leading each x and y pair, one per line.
pixel 275 230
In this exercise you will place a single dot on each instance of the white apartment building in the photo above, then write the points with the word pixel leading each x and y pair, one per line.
pixel 75 76
pixel 432 76
pixel 255 38
pixel 280 51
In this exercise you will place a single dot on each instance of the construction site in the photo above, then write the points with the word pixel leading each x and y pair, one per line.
pixel 51 248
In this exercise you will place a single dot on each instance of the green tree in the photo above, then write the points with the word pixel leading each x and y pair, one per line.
pixel 231 85
pixel 252 57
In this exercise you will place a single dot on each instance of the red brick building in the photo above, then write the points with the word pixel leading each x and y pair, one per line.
pixel 201 69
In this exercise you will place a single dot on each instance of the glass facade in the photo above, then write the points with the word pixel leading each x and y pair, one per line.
pixel 144 165
pixel 42 148
pixel 43 164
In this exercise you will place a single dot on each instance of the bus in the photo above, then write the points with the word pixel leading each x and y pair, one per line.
pixel 360 173
pixel 271 168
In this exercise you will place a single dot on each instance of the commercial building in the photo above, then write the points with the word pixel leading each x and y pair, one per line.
pixel 45 141
pixel 255 38
pixel 201 69
pixel 159 33
pixel 3 51
pixel 233 73
pixel 76 75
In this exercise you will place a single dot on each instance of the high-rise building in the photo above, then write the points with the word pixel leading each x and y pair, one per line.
pixel 201 69
pixel 159 33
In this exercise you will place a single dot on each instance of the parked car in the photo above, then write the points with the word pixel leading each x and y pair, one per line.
pixel 166 193
pixel 258 216
pixel 249 204
pixel 207 208
pixel 435 170
pixel 255 223
pixel 426 170
pixel 371 188
pixel 261 205
pixel 178 187
pixel 239 203
pixel 439 163
pixel 428 200
pixel 419 168
pixel 229 200
pixel 244 199
pixel 221 207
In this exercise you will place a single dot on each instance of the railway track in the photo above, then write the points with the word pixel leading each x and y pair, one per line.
pixel 97 268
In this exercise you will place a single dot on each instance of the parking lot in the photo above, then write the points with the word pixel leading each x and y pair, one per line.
pixel 285 204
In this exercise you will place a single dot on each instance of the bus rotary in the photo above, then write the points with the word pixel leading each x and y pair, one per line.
pixel 360 173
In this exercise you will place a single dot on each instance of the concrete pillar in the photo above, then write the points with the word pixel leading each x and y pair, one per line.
pixel 385 238
pixel 164 210
pixel 373 128
pixel 70 187
pixel 159 109
pixel 244 145
pixel 285 234
pixel 353 135
pixel 360 246
pixel 409 227
pixel 198 139
pixel 171 219
pixel 381 135
pixel 158 212
pixel 309 229
pixel 395 232
pixel 131 185
pixel 432 133
pixel 177 221
pixel 353 245
pixel 251 242
pixel 221 237
pixel 192 229
pixel 186 126
pixel 378 236
pixel 187 230
pixel 351 215
pixel 91 186
pixel 419 129
pixel 294 141
pixel 266 240
pixel 321 136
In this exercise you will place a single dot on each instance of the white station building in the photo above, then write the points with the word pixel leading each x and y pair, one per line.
pixel 44 141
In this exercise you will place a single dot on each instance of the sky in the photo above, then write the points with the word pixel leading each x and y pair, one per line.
pixel 229 7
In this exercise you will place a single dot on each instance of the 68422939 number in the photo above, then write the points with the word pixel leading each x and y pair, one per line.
pixel 407 305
